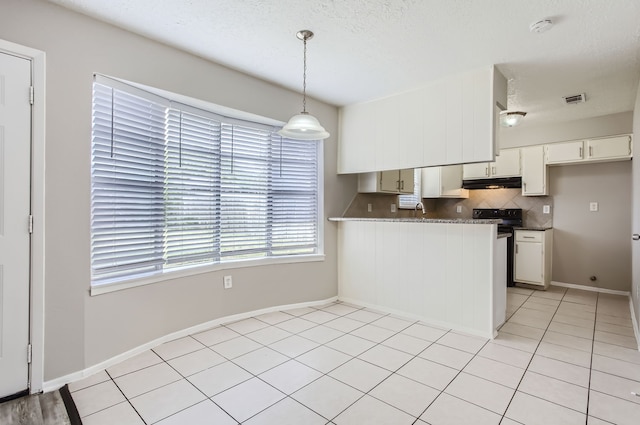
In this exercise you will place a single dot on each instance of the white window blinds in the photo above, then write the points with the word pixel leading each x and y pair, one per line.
pixel 174 186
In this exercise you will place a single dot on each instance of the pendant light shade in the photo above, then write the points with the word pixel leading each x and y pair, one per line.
pixel 511 119
pixel 304 126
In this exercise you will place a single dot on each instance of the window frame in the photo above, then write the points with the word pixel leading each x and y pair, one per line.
pixel 231 116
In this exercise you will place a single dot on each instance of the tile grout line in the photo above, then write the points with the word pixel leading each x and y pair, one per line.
pixel 352 357
pixel 126 398
pixel 593 343
pixel 533 354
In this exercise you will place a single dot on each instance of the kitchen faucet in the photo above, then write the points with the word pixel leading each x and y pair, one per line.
pixel 419 205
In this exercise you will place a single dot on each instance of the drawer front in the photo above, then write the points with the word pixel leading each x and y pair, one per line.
pixel 529 236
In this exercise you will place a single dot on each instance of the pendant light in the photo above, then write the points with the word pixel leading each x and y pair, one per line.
pixel 304 126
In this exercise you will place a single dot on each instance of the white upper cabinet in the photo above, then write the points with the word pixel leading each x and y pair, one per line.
pixel 391 181
pixel 616 148
pixel 559 153
pixel 507 164
pixel 534 171
pixel 481 170
pixel 443 182
pixel 609 148
pixel 450 121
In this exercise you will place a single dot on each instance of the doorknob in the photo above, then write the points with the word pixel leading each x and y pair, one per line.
pixel 636 237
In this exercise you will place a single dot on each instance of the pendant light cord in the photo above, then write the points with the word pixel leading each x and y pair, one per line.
pixel 304 78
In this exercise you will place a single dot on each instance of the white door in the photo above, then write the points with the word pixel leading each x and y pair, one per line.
pixel 15 194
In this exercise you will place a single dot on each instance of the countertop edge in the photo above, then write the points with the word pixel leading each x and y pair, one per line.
pixel 420 220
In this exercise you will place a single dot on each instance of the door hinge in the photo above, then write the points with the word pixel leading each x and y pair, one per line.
pixel 31 96
pixel 29 353
pixel 30 224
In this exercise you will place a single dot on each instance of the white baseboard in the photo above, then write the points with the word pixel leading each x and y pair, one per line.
pixel 57 383
pixel 590 288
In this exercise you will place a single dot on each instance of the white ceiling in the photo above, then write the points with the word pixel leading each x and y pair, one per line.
pixel 366 49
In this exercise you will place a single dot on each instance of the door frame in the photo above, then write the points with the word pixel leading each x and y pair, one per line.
pixel 37 276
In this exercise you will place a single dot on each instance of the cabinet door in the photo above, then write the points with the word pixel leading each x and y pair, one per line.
pixel 558 153
pixel 389 181
pixel 507 164
pixel 430 184
pixel 475 171
pixel 357 134
pixel 451 182
pixel 529 262
pixel 609 148
pixel 406 180
pixel 534 171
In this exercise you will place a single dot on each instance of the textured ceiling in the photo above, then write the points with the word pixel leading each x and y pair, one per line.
pixel 366 49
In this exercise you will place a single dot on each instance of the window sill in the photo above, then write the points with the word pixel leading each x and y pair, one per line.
pixel 176 274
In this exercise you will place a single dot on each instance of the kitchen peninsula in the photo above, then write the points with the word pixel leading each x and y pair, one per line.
pixel 447 272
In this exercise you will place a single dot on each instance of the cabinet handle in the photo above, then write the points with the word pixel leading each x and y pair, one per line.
pixel 516 248
pixel 398 184
pixel 528 237
pixel 524 186
pixel 486 171
pixel 402 185
pixel 590 151
pixel 580 152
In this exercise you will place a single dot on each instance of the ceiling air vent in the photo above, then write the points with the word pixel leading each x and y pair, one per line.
pixel 576 98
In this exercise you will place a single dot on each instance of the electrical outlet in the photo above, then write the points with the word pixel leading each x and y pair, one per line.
pixel 546 209
pixel 593 206
pixel 227 282
pixel 393 208
pixel 458 209
pixel 369 208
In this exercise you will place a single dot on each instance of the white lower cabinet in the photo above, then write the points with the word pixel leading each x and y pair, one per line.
pixel 533 257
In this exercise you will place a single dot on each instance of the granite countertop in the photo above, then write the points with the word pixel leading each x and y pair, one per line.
pixel 420 220
pixel 536 228
pixel 504 235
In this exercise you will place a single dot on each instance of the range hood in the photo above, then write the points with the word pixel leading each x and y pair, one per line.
pixel 493 183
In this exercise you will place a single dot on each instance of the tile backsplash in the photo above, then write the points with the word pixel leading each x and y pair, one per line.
pixel 532 206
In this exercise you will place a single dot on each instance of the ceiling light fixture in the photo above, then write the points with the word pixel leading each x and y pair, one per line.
pixel 304 126
pixel 511 119
pixel 541 26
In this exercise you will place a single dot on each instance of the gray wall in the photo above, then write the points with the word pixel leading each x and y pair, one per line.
pixel 527 134
pixel 592 243
pixel 80 330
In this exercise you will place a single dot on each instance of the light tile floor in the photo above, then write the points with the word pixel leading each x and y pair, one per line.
pixel 564 357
